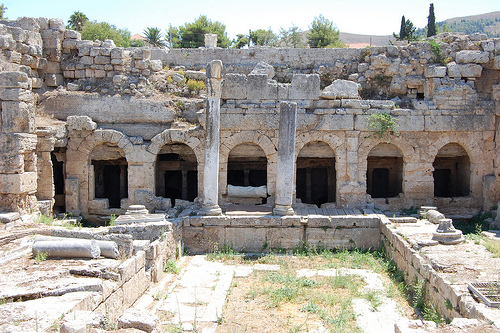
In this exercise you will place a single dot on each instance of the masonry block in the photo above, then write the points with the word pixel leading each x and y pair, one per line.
pixel 17 117
pixel 234 86
pixel 18 183
pixel 259 87
pixel 305 86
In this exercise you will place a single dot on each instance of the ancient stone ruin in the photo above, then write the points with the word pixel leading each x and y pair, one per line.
pixel 94 130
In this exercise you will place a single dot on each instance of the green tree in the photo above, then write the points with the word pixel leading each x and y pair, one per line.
pixel 263 37
pixel 431 22
pixel 402 29
pixel 77 20
pixel 292 37
pixel 93 30
pixel 3 9
pixel 173 37
pixel 410 31
pixel 137 43
pixel 240 41
pixel 192 35
pixel 153 36
pixel 323 33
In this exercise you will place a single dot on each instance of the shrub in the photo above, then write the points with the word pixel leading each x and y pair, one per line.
pixel 195 85
pixel 383 124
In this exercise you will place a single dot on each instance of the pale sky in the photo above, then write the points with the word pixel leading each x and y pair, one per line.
pixel 369 17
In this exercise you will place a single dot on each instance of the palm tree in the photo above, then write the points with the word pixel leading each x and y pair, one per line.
pixel 77 20
pixel 153 36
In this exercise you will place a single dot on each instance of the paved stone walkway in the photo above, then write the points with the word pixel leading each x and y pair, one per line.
pixel 198 295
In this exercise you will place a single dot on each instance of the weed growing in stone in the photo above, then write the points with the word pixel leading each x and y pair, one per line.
pixel 383 125
pixel 172 267
pixel 225 254
pixel 41 256
pixel 374 298
pixel 112 220
pixel 47 220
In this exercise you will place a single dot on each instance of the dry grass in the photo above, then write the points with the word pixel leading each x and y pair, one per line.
pixel 282 302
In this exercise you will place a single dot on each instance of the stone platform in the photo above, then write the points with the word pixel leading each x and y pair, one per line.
pixel 255 232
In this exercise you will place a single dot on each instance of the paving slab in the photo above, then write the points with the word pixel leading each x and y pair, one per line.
pixel 200 292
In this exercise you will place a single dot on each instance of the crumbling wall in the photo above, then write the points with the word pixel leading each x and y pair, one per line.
pixel 17 144
pixel 437 95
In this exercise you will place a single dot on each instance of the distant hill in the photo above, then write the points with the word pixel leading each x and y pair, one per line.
pixel 488 23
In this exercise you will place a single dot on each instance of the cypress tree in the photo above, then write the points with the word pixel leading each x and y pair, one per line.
pixel 431 22
pixel 402 30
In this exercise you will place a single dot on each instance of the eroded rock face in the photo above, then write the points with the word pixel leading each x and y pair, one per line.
pixel 341 89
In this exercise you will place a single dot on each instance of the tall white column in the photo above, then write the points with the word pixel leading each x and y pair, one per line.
pixel 211 167
pixel 286 159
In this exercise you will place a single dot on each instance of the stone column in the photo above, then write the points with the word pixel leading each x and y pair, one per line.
pixel 211 166
pixel 286 159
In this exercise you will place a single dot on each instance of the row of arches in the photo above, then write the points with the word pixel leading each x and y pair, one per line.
pixel 176 171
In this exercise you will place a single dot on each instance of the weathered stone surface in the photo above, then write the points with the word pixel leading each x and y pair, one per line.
pixel 16 94
pixel 263 68
pixel 453 70
pixel 470 70
pixel 435 71
pixel 140 319
pixel 9 217
pixel 468 56
pixel 234 86
pixel 13 80
pixel 259 87
pixel 305 86
pixel 107 109
pixel 18 183
pixel 57 24
pixel 496 92
pixel 54 80
pixel 340 89
pixel 80 123
pixel 195 75
pixel 17 117
pixel 496 63
pixel 210 40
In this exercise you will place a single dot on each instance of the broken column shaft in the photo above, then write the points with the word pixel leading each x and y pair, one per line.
pixel 211 167
pixel 286 159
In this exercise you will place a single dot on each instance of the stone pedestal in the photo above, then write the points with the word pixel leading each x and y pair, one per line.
pixel 447 234
pixel 211 167
pixel 286 159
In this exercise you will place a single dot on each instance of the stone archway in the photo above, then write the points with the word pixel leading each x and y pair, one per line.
pixel 452 169
pixel 110 174
pixel 315 174
pixel 247 165
pixel 176 174
pixel 259 144
pixel 384 174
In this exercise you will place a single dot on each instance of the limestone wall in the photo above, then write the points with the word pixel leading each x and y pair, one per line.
pixel 448 95
pixel 444 284
pixel 142 263
pixel 265 234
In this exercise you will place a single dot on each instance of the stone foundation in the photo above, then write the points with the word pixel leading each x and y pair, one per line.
pixel 278 234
